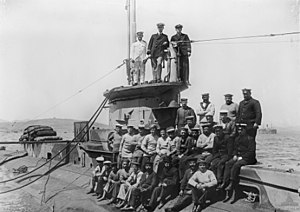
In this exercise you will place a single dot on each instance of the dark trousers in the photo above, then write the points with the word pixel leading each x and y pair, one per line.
pixel 232 170
pixel 252 132
pixel 147 159
pixel 162 192
pixel 137 197
pixel 100 186
pixel 182 166
pixel 199 196
pixel 184 68
pixel 182 202
pixel 218 165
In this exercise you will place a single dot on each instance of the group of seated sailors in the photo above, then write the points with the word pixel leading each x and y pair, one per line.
pixel 156 168
pixel 159 49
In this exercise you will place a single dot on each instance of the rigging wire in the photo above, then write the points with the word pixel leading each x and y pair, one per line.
pixel 56 165
pixel 58 153
pixel 78 92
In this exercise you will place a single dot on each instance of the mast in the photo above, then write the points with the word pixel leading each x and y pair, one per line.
pixel 131 32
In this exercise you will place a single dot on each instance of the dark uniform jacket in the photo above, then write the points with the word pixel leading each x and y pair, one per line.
pixel 169 176
pixel 182 113
pixel 183 47
pixel 184 182
pixel 245 147
pixel 148 182
pixel 222 146
pixel 156 46
pixel 249 112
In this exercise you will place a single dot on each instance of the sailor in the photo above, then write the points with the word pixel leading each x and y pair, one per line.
pixel 127 145
pixel 222 151
pixel 227 123
pixel 112 178
pixel 243 154
pixel 138 138
pixel 250 113
pixel 206 108
pixel 132 182
pixel 114 139
pixel 138 55
pixel 162 149
pixel 182 113
pixel 185 194
pixel 143 191
pixel 102 178
pixel 149 145
pixel 167 185
pixel 230 106
pixel 205 142
pixel 157 48
pixel 203 182
pixel 173 141
pixel 98 170
pixel 210 120
pixel 190 123
pixel 182 46
pixel 122 176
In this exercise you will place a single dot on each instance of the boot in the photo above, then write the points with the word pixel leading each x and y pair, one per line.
pixel 229 187
pixel 227 196
pixel 91 191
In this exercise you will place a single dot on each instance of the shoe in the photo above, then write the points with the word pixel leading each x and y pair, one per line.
pixel 161 204
pixel 91 191
pixel 194 208
pixel 111 201
pixel 129 208
pixel 199 208
pixel 188 83
pixel 227 197
pixel 121 204
pixel 124 207
pixel 159 81
pixel 134 84
pixel 148 207
pixel 101 198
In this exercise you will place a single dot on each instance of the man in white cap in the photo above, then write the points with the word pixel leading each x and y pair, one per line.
pixel 157 49
pixel 115 138
pixel 138 55
pixel 137 139
pixel 127 145
pixel 230 106
pixel 206 108
pixel 98 170
pixel 149 145
pixel 227 124
pixel 183 112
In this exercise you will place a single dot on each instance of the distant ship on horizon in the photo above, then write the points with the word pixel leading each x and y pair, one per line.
pixel 267 130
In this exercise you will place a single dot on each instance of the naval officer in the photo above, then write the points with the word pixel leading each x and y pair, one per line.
pixel 250 113
pixel 157 47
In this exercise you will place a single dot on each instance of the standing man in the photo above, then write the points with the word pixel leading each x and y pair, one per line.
pixel 182 46
pixel 230 106
pixel 206 108
pixel 137 55
pixel 250 113
pixel 158 44
pixel 127 145
pixel 182 113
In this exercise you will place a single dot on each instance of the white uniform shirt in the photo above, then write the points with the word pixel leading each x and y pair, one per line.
pixel 210 110
pixel 138 50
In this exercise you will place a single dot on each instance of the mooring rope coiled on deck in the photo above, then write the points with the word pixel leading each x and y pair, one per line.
pixel 90 123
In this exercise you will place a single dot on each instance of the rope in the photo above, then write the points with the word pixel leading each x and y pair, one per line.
pixel 239 37
pixel 53 168
pixel 75 94
pixel 74 139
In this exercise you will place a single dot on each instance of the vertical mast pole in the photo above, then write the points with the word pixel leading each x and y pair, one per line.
pixel 128 43
pixel 133 28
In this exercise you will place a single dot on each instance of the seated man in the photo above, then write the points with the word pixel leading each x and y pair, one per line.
pixel 122 176
pixel 112 178
pixel 243 154
pixel 205 143
pixel 221 152
pixel 102 179
pixel 168 185
pixel 143 191
pixel 202 182
pixel 162 150
pixel 132 182
pixel 97 172
pixel 227 124
pixel 185 194
pixel 190 123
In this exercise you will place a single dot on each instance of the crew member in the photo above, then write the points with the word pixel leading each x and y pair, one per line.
pixel 138 55
pixel 202 182
pixel 157 48
pixel 227 123
pixel 206 108
pixel 250 113
pixel 97 172
pixel 230 106
pixel 149 145
pixel 185 194
pixel 137 155
pixel 183 112
pixel 182 46
pixel 243 154
pixel 127 145
pixel 114 140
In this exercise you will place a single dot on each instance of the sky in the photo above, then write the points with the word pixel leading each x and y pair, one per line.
pixel 52 49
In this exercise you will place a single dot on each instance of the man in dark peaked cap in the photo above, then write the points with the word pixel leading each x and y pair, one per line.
pixel 250 113
pixel 157 46
pixel 182 46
